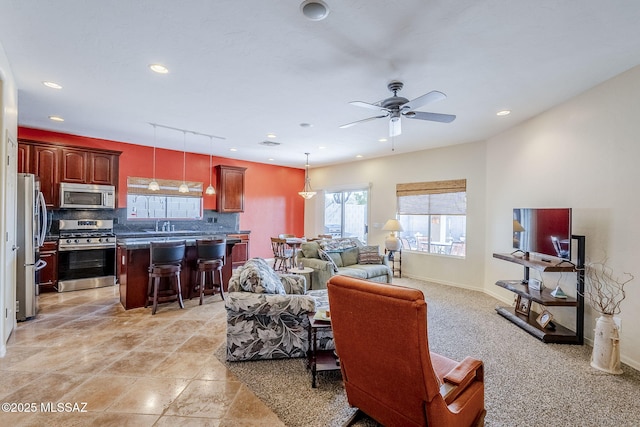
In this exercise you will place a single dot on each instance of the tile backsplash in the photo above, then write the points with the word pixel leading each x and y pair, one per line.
pixel 212 221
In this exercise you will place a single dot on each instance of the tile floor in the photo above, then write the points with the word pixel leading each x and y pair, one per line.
pixel 129 367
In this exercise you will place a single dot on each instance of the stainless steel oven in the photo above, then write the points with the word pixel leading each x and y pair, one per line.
pixel 86 254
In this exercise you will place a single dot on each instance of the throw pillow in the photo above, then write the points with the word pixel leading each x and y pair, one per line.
pixel 337 245
pixel 369 255
pixel 350 256
pixel 325 256
pixel 258 277
pixel 310 249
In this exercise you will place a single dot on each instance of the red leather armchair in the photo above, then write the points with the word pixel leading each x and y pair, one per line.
pixel 380 334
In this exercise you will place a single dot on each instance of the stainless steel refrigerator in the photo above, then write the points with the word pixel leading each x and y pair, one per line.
pixel 32 221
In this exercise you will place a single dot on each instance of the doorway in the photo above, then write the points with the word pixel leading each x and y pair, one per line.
pixel 346 213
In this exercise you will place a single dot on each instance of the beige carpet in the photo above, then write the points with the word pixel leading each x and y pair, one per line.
pixel 528 383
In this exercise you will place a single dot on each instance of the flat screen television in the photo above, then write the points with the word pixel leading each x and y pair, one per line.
pixel 543 231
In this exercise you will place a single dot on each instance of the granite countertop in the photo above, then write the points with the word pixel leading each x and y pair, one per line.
pixel 152 233
pixel 143 242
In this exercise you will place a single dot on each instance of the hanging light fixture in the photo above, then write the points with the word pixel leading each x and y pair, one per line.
pixel 184 188
pixel 153 185
pixel 307 193
pixel 210 190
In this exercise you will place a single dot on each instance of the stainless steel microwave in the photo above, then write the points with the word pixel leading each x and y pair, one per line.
pixel 87 196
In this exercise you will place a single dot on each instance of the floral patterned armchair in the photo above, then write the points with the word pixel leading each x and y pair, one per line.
pixel 267 318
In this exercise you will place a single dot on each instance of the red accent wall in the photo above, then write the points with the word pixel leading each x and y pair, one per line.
pixel 272 204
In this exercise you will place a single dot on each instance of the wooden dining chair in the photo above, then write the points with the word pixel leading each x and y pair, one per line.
pixel 282 254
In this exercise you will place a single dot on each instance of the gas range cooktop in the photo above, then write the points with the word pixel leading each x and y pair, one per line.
pixel 86 234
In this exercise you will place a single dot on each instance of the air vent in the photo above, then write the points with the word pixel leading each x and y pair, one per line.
pixel 270 143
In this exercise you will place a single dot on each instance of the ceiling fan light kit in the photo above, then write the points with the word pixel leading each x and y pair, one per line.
pixel 397 106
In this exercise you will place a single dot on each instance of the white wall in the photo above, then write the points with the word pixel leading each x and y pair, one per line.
pixel 461 161
pixel 8 126
pixel 583 154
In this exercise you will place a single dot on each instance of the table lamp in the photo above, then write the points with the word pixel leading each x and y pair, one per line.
pixel 392 243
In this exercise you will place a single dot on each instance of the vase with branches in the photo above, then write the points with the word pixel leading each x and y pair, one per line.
pixel 605 292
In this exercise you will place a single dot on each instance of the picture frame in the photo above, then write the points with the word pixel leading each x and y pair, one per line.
pixel 544 318
pixel 523 305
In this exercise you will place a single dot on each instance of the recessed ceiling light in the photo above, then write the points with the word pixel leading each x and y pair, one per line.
pixel 56 118
pixel 315 10
pixel 382 140
pixel 271 159
pixel 271 135
pixel 503 113
pixel 52 85
pixel 233 149
pixel 359 156
pixel 158 68
pixel 322 147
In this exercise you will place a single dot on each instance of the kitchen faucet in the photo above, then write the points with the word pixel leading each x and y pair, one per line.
pixel 166 226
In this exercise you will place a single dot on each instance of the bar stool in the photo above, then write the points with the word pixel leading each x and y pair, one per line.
pixel 211 254
pixel 166 262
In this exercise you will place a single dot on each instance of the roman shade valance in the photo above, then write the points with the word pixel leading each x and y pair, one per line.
pixel 432 198
pixel 168 187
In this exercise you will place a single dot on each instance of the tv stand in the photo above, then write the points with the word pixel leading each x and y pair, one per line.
pixel 526 319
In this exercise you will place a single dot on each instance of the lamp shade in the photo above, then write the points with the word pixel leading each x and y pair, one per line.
pixel 517 227
pixel 392 225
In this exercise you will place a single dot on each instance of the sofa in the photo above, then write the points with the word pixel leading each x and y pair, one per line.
pixel 268 314
pixel 347 257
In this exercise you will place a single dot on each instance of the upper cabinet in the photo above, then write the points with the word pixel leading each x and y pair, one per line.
pixel 230 191
pixel 89 167
pixel 44 163
pixel 56 163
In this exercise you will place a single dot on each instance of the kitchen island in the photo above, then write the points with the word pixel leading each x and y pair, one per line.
pixel 132 261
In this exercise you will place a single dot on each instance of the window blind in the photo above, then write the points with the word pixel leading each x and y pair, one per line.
pixel 432 198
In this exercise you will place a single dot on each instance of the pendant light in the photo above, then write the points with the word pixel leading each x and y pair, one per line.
pixel 184 188
pixel 153 185
pixel 210 190
pixel 307 193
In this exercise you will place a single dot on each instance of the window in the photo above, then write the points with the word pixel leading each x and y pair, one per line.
pixel 166 203
pixel 433 216
pixel 345 213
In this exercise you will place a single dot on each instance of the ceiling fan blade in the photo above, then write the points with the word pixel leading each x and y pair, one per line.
pixel 395 128
pixel 367 105
pixel 433 117
pixel 348 125
pixel 425 99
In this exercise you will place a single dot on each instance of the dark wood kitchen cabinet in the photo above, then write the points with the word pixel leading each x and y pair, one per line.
pixel 230 194
pixel 74 166
pixel 240 249
pixel 87 167
pixel 56 163
pixel 44 163
pixel 48 276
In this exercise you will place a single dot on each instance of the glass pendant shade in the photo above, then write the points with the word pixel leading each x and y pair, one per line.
pixel 154 186
pixel 210 190
pixel 184 188
pixel 307 192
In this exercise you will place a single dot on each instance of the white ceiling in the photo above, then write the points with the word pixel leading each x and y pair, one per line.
pixel 242 69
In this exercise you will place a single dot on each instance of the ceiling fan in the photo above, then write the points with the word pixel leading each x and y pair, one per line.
pixel 397 106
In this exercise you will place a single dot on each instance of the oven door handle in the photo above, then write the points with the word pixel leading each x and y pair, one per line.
pixel 84 247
